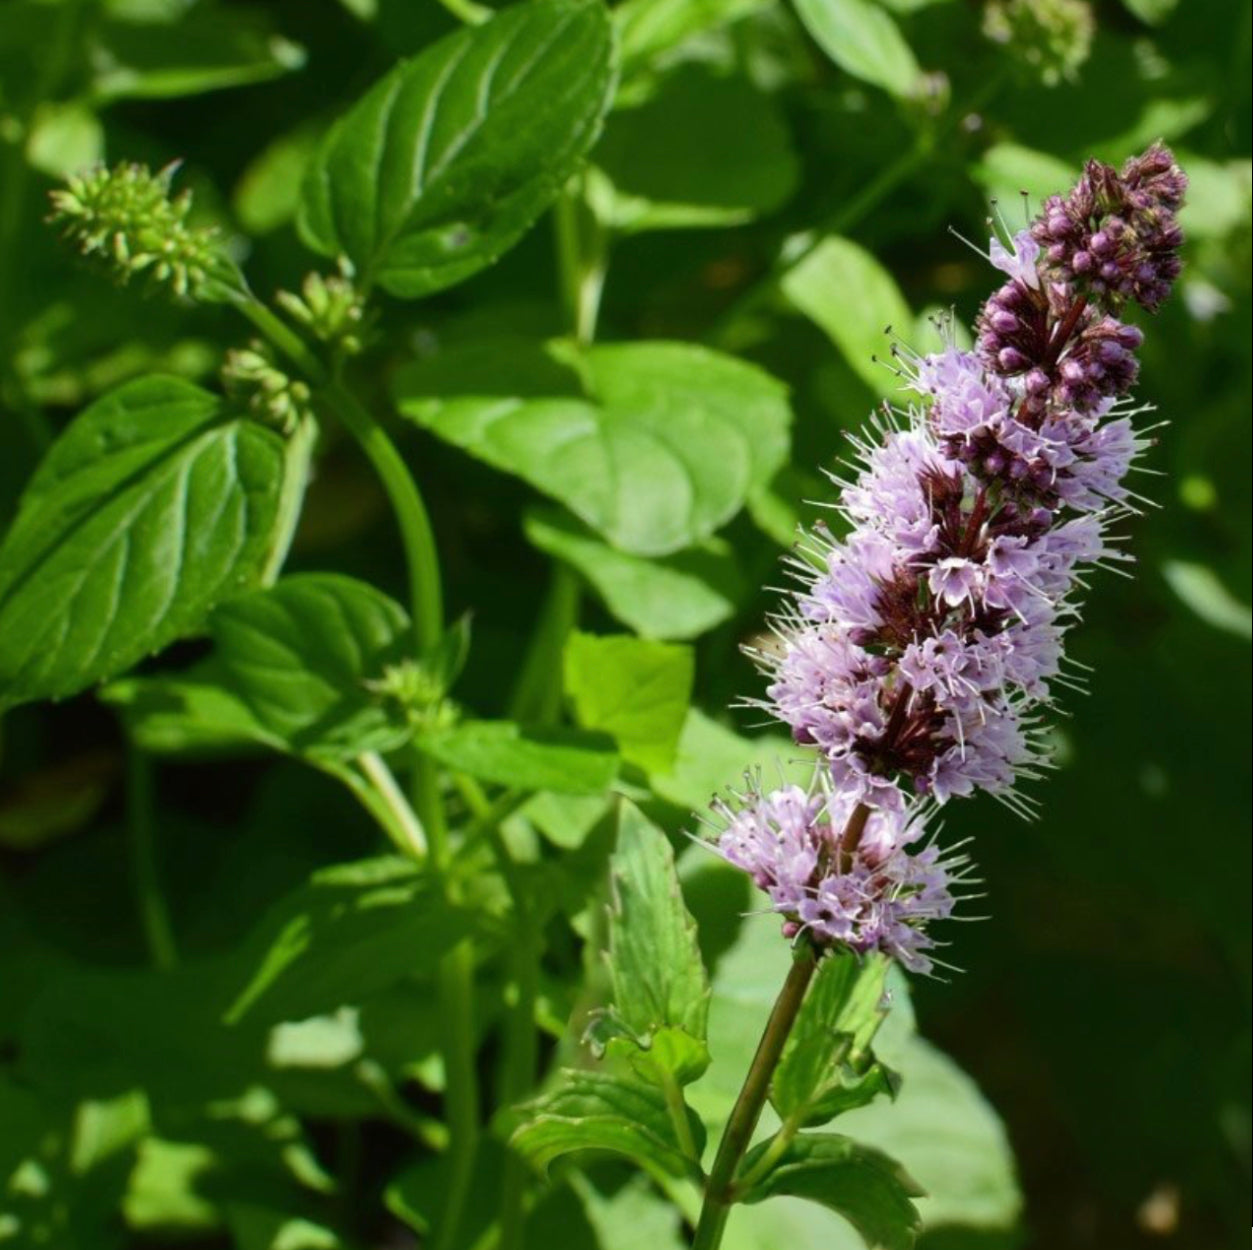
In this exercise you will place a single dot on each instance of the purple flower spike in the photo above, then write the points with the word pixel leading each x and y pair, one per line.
pixel 876 891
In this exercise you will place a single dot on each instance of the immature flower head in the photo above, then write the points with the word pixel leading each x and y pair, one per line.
pixel 1051 39
pixel 330 308
pixel 870 882
pixel 253 380
pixel 126 219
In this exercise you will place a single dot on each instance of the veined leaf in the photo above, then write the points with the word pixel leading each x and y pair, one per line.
pixel 865 1186
pixel 654 445
pixel 562 760
pixel 827 1067
pixel 446 162
pixel 300 653
pixel 590 1111
pixel 655 968
pixel 155 504
pixel 633 689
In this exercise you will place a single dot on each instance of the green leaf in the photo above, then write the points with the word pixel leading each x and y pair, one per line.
pixel 862 1184
pixel 819 286
pixel 352 931
pixel 192 713
pixel 826 1067
pixel 633 689
pixel 591 1111
pixel 649 29
pixel 206 50
pixel 676 597
pixel 1200 588
pixel 711 756
pixel 949 1138
pixel 863 40
pixel 655 967
pixel 445 163
pixel 562 760
pixel 703 150
pixel 267 194
pixel 301 654
pixel 64 138
pixel 154 505
pixel 1009 168
pixel 654 445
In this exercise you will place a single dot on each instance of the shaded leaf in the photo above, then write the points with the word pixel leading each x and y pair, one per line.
pixel 675 597
pixel 301 654
pixel 702 150
pixel 862 1184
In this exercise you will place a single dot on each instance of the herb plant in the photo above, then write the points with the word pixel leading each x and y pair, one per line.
pixel 502 987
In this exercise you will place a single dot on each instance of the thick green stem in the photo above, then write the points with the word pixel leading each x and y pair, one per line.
pixel 582 263
pixel 140 809
pixel 406 821
pixel 748 1106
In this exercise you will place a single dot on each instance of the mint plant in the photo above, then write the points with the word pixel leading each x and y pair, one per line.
pixel 537 993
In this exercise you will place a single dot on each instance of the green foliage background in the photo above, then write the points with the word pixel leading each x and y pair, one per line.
pixel 1105 1004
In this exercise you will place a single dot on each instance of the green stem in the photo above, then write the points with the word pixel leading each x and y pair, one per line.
pixel 140 808
pixel 537 696
pixel 521 1040
pixel 389 792
pixel 582 262
pixel 748 1106
pixel 468 11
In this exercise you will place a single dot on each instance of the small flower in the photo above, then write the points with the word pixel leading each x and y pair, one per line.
pixel 1051 39
pixel 126 219
pixel 871 883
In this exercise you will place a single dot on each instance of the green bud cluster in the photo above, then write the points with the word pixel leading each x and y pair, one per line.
pixel 126 220
pixel 330 308
pixel 418 692
pixel 252 379
pixel 1050 39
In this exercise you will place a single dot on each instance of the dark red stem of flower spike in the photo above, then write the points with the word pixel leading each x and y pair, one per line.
pixel 1064 330
pixel 719 1189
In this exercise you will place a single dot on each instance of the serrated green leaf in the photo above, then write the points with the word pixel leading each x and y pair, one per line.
pixel 154 505
pixel 591 1111
pixel 353 930
pixel 676 597
pixel 447 161
pixel 819 286
pixel 523 758
pixel 654 445
pixel 702 150
pixel 862 1184
pixel 948 1137
pixel 658 979
pixel 300 655
pixel 633 689
pixel 826 1067
pixel 863 40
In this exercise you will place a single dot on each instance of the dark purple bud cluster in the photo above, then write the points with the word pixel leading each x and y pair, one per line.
pixel 1115 236
pixel 1053 326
